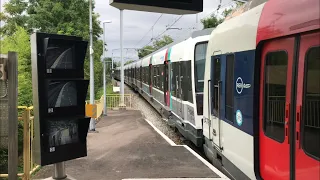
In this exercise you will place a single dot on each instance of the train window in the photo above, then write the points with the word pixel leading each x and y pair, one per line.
pixel 149 75
pixel 275 94
pixel 187 82
pixel 141 73
pixel 311 112
pixel 165 78
pixel 139 76
pixel 217 77
pixel 229 88
pixel 154 76
pixel 161 73
pixel 174 74
pixel 137 73
pixel 146 75
pixel 199 62
pixel 157 75
pixel 183 80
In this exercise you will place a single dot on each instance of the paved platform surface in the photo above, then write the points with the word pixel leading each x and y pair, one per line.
pixel 128 147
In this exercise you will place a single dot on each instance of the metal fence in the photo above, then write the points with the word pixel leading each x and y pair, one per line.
pixel 312 111
pixel 113 102
pixel 276 109
pixel 28 134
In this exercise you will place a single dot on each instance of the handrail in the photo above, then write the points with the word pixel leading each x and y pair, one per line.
pixel 28 128
pixel 113 102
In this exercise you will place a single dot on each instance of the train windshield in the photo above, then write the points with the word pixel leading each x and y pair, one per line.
pixel 200 60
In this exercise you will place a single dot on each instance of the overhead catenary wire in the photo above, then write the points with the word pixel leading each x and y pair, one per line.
pixel 209 14
pixel 151 29
pixel 164 30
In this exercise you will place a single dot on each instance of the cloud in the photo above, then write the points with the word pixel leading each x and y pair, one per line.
pixel 137 24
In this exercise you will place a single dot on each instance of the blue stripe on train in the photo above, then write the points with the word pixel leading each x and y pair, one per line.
pixel 243 83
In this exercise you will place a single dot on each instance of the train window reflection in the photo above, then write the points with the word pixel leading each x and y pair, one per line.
pixel 200 60
pixel 217 77
pixel 311 113
pixel 230 88
pixel 275 94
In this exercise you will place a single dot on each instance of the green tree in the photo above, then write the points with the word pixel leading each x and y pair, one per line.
pixel 128 62
pixel 69 17
pixel 213 21
pixel 19 42
pixel 145 51
pixel 165 40
pixel 158 44
pixel 13 16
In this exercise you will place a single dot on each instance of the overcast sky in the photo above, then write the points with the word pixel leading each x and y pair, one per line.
pixel 137 24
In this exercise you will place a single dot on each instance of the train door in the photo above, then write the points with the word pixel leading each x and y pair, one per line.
pixel 150 78
pixel 166 83
pixel 307 116
pixel 290 102
pixel 215 93
pixel 175 72
pixel 141 76
pixel 275 104
pixel 179 90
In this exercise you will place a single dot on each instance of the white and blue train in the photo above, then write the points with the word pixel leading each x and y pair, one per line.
pixel 247 92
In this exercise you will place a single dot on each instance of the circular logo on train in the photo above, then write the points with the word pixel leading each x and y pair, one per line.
pixel 239 117
pixel 240 85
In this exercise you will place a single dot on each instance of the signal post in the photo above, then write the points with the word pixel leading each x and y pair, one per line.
pixel 59 93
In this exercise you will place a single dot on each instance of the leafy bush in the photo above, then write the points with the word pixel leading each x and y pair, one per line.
pixel 4 152
pixel 3 161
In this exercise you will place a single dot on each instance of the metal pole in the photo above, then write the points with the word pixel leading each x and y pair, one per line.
pixel 59 171
pixel 121 52
pixel 112 68
pixel 104 89
pixel 92 122
pixel 13 116
pixel 104 73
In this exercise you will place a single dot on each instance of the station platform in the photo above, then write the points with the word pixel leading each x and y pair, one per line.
pixel 127 146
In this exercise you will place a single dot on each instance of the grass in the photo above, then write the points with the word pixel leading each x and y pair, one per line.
pixel 100 91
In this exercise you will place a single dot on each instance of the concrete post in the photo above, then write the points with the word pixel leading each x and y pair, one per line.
pixel 13 116
pixel 122 62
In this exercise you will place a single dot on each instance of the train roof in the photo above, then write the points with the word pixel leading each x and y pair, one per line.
pixel 159 57
pixel 286 17
pixel 236 34
pixel 193 35
pixel 244 8
pixel 203 32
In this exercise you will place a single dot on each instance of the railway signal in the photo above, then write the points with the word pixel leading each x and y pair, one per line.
pixel 59 92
